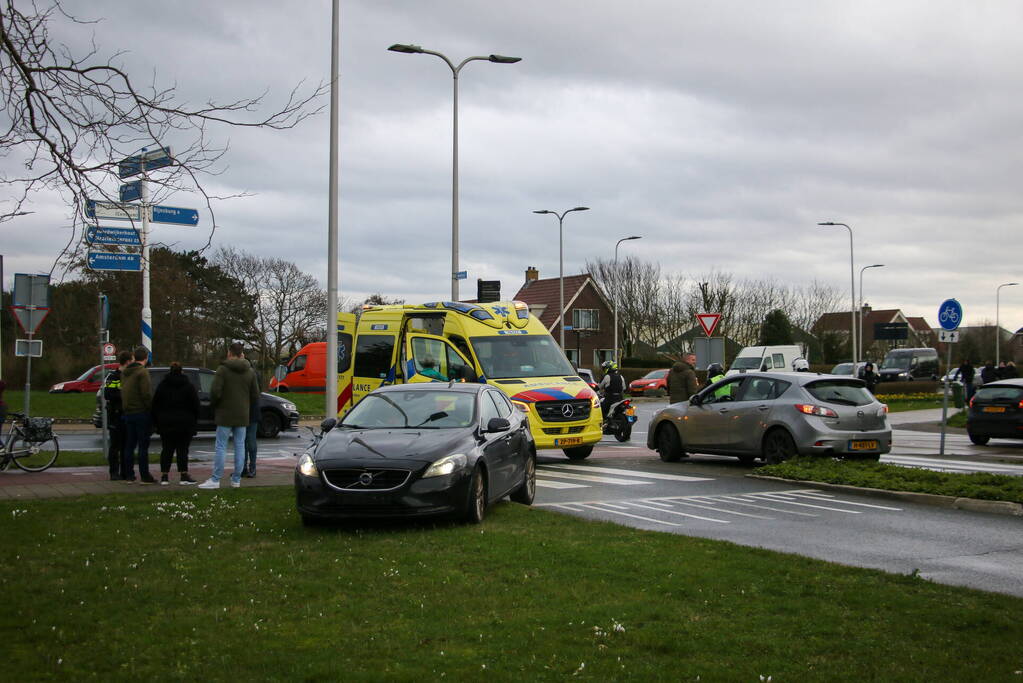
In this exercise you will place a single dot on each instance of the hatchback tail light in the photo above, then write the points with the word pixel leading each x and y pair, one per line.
pixel 820 411
pixel 884 407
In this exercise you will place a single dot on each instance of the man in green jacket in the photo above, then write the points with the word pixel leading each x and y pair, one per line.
pixel 234 391
pixel 136 401
pixel 682 382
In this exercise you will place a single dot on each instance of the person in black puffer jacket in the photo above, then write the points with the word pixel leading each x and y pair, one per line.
pixel 175 416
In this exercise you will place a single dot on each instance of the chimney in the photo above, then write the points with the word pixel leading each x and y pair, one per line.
pixel 532 274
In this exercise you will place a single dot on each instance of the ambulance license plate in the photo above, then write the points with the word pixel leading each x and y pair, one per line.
pixel 570 441
pixel 994 409
pixel 863 445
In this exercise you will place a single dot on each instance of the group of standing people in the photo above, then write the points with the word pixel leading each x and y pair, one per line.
pixel 135 411
pixel 966 373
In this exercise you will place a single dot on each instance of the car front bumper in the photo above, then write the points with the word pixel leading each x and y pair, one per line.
pixel 442 495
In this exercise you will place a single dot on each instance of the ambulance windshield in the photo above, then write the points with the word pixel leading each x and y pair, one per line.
pixel 508 356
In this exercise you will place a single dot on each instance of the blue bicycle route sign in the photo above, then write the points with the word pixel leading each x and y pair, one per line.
pixel 950 314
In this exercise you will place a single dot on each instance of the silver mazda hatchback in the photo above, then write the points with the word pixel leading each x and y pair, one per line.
pixel 774 416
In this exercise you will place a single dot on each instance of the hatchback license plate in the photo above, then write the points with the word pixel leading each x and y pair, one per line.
pixel 863 445
pixel 994 409
pixel 572 441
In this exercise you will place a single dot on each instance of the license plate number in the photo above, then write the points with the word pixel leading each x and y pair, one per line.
pixel 870 445
pixel 570 441
pixel 994 409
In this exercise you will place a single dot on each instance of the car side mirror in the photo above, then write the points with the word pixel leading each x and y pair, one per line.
pixel 498 424
pixel 695 400
pixel 466 374
pixel 328 424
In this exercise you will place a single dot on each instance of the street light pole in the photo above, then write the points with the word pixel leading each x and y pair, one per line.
pixel 998 321
pixel 497 59
pixel 615 294
pixel 561 265
pixel 862 349
pixel 852 285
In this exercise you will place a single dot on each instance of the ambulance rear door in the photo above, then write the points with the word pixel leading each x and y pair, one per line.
pixel 345 351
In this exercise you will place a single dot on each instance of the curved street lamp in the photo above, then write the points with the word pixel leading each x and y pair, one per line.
pixel 497 59
pixel 852 285
pixel 615 295
pixel 862 349
pixel 998 321
pixel 561 265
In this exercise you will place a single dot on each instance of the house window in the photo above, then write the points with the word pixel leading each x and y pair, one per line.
pixel 601 355
pixel 573 357
pixel 585 319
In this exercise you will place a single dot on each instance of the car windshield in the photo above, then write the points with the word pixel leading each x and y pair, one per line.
pixel 842 391
pixel 999 393
pixel 656 374
pixel 747 363
pixel 842 369
pixel 412 410
pixel 896 362
pixel 519 356
pixel 85 375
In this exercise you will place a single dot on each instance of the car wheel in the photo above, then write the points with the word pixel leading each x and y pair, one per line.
pixel 524 494
pixel 578 453
pixel 669 446
pixel 269 425
pixel 978 439
pixel 778 447
pixel 476 505
pixel 660 393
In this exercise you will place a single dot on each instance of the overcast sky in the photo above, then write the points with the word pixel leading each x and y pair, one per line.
pixel 721 132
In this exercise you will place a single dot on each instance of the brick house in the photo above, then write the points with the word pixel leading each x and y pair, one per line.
pixel 589 332
pixel 919 332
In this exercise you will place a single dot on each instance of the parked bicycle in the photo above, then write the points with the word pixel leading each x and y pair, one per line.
pixel 30 443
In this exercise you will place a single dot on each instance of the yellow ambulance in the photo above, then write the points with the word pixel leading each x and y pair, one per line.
pixel 498 343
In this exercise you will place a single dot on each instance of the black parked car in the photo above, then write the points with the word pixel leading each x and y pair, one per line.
pixel 419 449
pixel 276 414
pixel 996 412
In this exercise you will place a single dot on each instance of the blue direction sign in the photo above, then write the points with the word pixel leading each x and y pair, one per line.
pixel 950 314
pixel 105 260
pixel 113 210
pixel 175 215
pixel 125 237
pixel 131 191
pixel 147 161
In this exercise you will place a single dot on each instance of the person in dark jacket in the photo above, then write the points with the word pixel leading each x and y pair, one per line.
pixel 252 432
pixel 870 377
pixel 175 417
pixel 965 374
pixel 612 386
pixel 1010 371
pixel 137 399
pixel 989 373
pixel 682 382
pixel 233 392
pixel 115 416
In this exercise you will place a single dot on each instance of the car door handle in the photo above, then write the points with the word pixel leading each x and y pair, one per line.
pixel 722 410
pixel 763 408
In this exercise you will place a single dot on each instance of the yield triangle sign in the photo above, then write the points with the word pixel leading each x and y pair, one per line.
pixel 708 321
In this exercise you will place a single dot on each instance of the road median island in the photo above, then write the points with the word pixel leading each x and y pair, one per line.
pixel 529 594
pixel 977 491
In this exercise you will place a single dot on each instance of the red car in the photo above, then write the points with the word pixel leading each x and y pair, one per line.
pixel 654 383
pixel 89 381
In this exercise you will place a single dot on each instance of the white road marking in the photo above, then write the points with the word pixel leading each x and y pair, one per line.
pixel 627 473
pixel 542 483
pixel 828 497
pixel 727 512
pixel 932 463
pixel 780 498
pixel 705 507
pixel 645 519
pixel 586 477
pixel 737 501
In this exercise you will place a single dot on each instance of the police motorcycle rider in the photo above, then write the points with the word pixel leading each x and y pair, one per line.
pixel 801 365
pixel 617 418
pixel 716 373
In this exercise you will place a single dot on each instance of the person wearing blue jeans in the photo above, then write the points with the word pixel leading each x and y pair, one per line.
pixel 233 392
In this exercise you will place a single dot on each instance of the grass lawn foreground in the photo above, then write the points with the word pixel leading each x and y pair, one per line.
pixel 229 585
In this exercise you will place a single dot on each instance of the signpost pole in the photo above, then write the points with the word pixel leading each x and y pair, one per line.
pixel 103 372
pixel 944 402
pixel 28 371
pixel 147 312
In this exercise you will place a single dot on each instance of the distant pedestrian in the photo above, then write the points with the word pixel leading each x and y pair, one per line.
pixel 1010 370
pixel 137 401
pixel 115 415
pixel 682 382
pixel 966 373
pixel 176 418
pixel 989 373
pixel 869 377
pixel 252 431
pixel 233 392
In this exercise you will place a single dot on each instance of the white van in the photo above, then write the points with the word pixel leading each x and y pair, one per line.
pixel 759 358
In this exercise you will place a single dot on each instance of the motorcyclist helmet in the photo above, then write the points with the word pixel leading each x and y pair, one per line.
pixel 801 365
pixel 609 365
pixel 715 369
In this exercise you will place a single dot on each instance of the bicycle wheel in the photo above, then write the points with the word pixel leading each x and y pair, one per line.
pixel 32 457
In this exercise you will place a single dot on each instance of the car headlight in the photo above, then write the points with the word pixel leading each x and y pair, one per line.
pixel 58 387
pixel 595 401
pixel 446 465
pixel 288 406
pixel 524 407
pixel 307 466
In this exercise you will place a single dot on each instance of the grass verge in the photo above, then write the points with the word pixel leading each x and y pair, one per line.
pixel 895 478
pixel 231 586
pixel 45 404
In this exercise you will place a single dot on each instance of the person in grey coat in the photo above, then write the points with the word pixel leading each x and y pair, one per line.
pixel 232 395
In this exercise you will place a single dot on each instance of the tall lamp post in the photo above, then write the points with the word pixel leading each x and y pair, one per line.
pixel 561 264
pixel 998 321
pixel 862 349
pixel 852 285
pixel 497 59
pixel 624 239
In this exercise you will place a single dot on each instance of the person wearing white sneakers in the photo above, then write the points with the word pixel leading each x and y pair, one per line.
pixel 234 390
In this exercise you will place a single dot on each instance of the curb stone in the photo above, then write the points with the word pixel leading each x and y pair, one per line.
pixel 998 507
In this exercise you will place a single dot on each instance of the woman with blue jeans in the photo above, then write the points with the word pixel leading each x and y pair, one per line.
pixel 234 391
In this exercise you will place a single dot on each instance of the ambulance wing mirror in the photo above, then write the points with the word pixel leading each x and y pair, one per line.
pixel 466 374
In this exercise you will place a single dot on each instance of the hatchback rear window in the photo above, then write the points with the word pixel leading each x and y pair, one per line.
pixel 843 392
pixel 996 393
